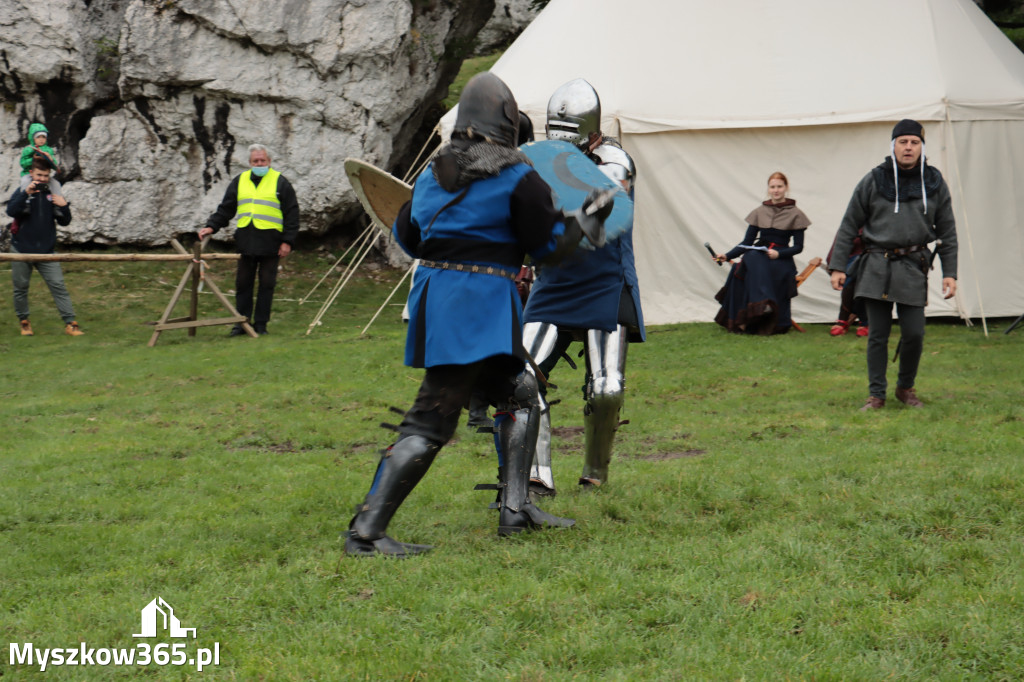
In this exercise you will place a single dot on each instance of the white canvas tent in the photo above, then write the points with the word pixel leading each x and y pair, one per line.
pixel 711 96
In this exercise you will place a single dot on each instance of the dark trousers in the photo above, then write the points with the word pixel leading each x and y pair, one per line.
pixel 249 268
pixel 911 319
pixel 446 389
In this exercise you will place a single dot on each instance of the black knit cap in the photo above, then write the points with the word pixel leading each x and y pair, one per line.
pixel 908 127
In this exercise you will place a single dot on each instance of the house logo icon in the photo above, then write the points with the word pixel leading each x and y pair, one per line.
pixel 159 613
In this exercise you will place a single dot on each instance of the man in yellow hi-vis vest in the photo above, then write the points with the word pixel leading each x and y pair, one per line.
pixel 268 223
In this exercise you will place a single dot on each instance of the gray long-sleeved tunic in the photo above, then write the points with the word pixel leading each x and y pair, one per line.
pixel 880 276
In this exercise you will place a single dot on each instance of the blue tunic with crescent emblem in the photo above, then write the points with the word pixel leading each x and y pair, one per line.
pixel 458 316
pixel 585 290
pixel 591 289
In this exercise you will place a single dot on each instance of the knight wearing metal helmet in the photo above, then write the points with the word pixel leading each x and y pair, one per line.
pixel 475 213
pixel 592 296
pixel 574 115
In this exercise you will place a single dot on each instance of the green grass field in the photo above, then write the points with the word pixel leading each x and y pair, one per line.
pixel 756 525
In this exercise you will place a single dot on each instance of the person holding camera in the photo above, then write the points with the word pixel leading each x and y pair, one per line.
pixel 38 210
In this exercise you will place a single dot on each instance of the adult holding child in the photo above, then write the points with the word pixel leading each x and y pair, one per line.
pixel 756 296
pixel 38 209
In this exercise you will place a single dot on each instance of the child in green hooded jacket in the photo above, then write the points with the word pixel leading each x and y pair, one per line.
pixel 37 135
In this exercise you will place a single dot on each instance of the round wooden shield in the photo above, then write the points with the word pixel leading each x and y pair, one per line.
pixel 380 193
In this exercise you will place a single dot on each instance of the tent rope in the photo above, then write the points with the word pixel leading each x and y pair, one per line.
pixel 388 299
pixel 361 252
pixel 415 169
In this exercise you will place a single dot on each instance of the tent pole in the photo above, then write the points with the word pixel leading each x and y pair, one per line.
pixel 388 299
pixel 361 254
pixel 967 221
pixel 336 264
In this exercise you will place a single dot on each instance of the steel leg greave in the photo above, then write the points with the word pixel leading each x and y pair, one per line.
pixel 541 477
pixel 516 439
pixel 400 469
pixel 540 340
pixel 605 392
pixel 516 435
pixel 600 421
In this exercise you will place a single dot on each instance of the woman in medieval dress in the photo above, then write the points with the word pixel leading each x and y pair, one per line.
pixel 756 296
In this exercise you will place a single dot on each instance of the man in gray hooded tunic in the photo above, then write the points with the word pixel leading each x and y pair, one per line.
pixel 902 204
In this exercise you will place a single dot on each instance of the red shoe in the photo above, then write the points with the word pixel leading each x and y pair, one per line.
pixel 862 331
pixel 839 328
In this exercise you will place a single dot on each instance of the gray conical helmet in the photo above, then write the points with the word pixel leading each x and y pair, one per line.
pixel 487 111
pixel 574 112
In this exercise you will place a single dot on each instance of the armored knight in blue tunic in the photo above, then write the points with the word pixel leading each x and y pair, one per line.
pixel 592 296
pixel 474 215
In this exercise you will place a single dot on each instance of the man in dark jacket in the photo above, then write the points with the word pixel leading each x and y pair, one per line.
pixel 37 211
pixel 902 204
pixel 268 223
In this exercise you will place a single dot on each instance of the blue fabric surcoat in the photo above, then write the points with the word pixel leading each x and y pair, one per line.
pixel 584 290
pixel 458 317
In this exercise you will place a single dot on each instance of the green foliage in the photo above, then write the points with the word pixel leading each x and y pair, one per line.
pixel 756 525
pixel 1016 35
pixel 107 56
pixel 1008 15
pixel 107 47
pixel 470 68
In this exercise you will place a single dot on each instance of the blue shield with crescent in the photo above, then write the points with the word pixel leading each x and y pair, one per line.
pixel 572 176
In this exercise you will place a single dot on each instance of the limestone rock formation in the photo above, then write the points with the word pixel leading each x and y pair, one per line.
pixel 152 104
pixel 508 21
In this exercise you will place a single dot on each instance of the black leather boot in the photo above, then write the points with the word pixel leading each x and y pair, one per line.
pixel 399 471
pixel 517 436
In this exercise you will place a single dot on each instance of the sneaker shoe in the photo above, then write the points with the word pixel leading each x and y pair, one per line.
pixel 873 403
pixel 908 397
pixel 862 331
pixel 839 328
pixel 26 328
pixel 72 329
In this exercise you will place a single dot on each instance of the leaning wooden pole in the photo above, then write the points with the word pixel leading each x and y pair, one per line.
pixel 197 278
